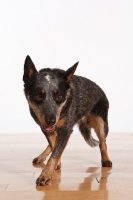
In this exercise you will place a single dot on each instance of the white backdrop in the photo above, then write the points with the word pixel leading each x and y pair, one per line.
pixel 58 33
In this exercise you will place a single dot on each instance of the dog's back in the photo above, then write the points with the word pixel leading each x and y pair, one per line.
pixel 87 95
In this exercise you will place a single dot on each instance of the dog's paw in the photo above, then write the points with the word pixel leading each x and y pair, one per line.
pixel 107 163
pixel 37 160
pixel 44 178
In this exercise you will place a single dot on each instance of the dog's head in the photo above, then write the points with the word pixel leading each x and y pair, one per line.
pixel 47 92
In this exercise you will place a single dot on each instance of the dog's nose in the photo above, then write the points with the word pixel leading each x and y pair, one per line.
pixel 50 120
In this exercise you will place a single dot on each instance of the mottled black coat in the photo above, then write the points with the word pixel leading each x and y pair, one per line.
pixel 57 101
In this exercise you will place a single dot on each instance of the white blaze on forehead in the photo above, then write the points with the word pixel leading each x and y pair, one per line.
pixel 47 77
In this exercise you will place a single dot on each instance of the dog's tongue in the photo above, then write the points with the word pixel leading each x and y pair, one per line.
pixel 48 128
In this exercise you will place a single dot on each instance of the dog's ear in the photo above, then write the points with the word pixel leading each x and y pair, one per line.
pixel 29 69
pixel 69 73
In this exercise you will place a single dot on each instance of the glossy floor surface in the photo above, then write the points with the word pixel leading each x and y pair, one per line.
pixel 81 176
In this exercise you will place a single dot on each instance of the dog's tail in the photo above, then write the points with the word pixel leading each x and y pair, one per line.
pixel 86 133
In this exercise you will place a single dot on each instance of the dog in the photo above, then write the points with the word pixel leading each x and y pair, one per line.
pixel 57 101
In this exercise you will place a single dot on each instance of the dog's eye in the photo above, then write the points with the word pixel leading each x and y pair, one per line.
pixel 38 98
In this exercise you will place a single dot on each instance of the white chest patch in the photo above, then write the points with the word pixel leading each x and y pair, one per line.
pixel 47 77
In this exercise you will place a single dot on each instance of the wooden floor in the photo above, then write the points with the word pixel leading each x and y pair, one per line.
pixel 81 176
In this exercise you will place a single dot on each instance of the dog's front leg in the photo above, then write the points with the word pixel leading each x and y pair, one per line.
pixel 42 157
pixel 51 138
pixel 61 141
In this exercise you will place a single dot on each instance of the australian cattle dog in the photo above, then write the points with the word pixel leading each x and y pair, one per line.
pixel 57 101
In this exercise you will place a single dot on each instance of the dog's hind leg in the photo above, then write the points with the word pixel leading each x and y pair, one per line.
pixel 101 129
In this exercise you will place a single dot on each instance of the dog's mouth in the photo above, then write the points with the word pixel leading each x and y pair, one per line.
pixel 48 128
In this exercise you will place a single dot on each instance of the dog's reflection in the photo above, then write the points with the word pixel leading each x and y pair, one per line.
pixel 88 189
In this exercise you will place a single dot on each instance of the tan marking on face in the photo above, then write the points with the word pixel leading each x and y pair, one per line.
pixel 61 122
pixel 59 110
pixel 42 117
pixel 43 91
pixel 55 91
pixel 37 112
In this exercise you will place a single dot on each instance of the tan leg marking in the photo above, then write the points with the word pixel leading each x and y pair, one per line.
pixel 61 122
pixel 98 124
pixel 52 139
pixel 42 157
pixel 46 175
